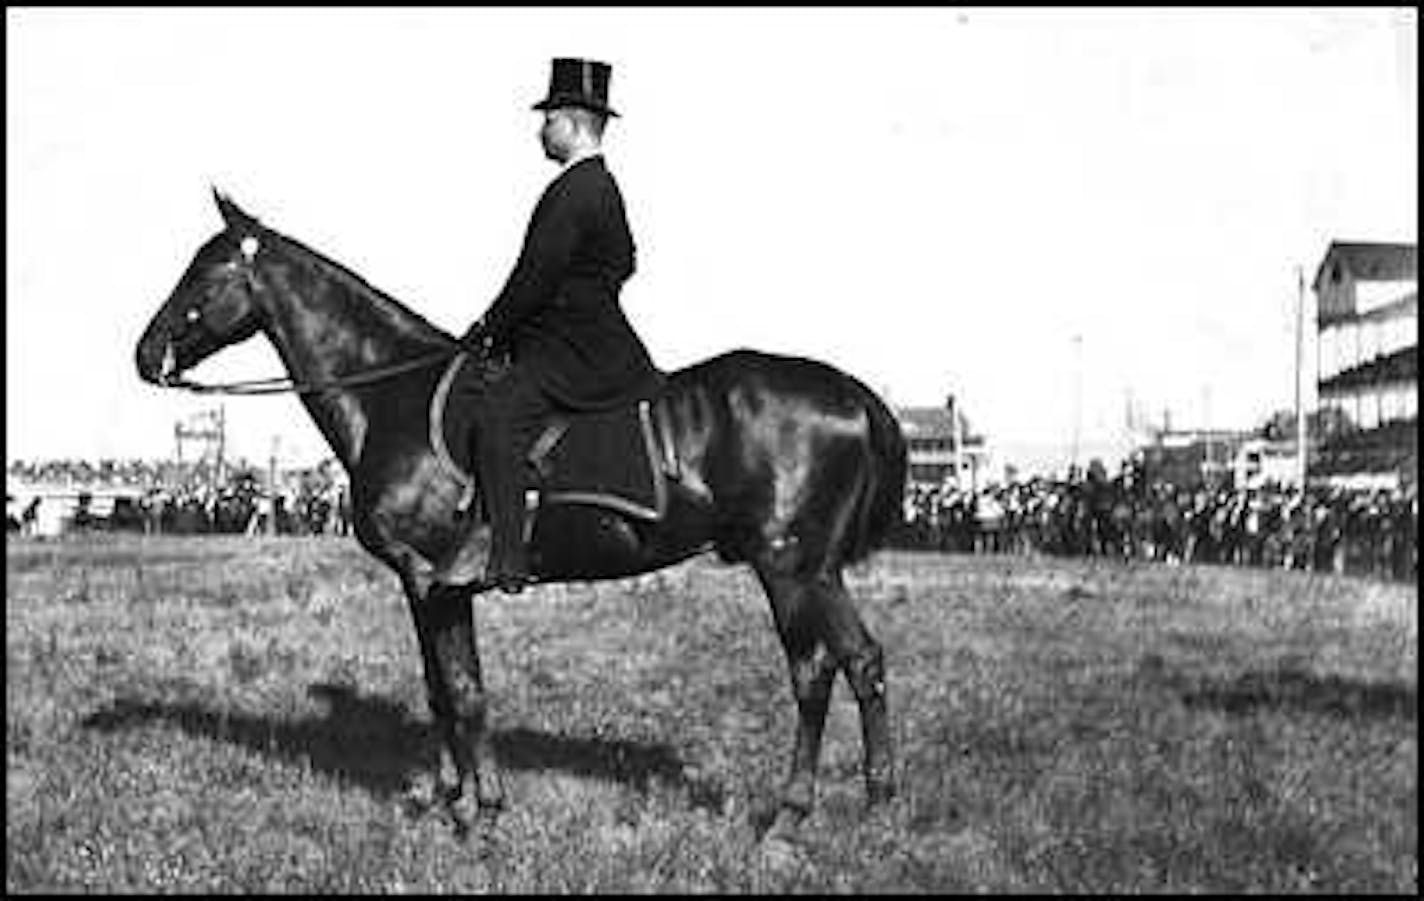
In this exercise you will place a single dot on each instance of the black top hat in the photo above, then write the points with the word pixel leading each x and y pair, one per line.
pixel 578 82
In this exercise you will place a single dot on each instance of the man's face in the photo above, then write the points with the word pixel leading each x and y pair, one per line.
pixel 557 135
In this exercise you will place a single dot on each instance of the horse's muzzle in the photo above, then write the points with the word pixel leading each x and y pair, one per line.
pixel 156 362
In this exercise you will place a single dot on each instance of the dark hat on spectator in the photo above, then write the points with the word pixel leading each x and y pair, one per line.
pixel 578 82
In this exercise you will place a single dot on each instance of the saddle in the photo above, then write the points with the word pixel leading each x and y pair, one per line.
pixel 618 459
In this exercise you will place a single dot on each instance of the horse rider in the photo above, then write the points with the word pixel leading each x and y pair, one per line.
pixel 557 321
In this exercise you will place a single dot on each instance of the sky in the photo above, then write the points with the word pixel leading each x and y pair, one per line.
pixel 1053 214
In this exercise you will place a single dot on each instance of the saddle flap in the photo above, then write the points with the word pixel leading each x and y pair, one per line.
pixel 610 459
pixel 620 459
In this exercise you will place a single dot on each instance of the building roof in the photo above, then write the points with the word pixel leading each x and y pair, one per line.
pixel 1370 261
pixel 932 422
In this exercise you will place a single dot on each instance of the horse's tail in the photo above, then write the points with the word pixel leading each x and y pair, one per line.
pixel 880 506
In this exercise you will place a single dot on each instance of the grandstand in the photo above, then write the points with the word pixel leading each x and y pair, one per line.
pixel 1368 362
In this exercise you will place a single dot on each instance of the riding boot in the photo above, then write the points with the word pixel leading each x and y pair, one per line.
pixel 505 409
pixel 505 556
pixel 499 472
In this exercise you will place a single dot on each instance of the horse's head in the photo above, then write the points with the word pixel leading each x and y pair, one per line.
pixel 216 303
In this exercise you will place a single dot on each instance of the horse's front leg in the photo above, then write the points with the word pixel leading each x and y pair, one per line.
pixel 444 619
pixel 453 623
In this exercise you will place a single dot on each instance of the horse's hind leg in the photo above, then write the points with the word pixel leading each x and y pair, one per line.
pixel 813 673
pixel 822 633
pixel 862 659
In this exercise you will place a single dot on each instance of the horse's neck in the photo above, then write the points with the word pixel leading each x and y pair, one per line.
pixel 323 327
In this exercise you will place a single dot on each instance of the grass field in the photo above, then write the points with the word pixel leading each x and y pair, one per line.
pixel 245 715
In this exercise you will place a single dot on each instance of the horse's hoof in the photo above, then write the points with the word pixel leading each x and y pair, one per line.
pixel 770 817
pixel 420 796
pixel 489 811
pixel 783 826
pixel 879 792
pixel 780 849
pixel 470 817
pixel 490 793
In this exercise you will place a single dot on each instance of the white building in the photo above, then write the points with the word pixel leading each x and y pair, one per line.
pixel 1367 356
pixel 941 447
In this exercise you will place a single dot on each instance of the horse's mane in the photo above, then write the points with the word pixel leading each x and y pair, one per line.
pixel 351 281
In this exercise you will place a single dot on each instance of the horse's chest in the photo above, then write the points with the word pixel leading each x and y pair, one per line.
pixel 412 512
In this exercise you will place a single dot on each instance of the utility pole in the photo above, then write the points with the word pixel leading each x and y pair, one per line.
pixel 1300 425
pixel 1207 466
pixel 959 433
pixel 222 443
pixel 272 487
pixel 1077 396
pixel 956 438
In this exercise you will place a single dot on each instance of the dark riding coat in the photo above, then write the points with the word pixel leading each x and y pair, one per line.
pixel 559 310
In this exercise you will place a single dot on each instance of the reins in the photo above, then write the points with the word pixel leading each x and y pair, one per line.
pixel 284 384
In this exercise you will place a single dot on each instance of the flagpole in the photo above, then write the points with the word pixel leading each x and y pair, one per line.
pixel 1208 468
pixel 957 438
pixel 1077 396
pixel 1300 425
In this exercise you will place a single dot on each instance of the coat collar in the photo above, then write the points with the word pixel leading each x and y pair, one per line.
pixel 595 155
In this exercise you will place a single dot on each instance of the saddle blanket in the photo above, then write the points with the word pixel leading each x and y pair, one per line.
pixel 611 459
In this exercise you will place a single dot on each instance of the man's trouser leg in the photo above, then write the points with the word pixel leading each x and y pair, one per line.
pixel 514 406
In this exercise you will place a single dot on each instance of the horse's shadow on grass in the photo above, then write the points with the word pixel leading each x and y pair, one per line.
pixel 1289 687
pixel 375 744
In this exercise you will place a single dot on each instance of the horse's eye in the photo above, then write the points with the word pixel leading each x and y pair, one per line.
pixel 193 315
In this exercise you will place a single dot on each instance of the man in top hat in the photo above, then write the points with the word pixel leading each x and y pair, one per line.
pixel 557 318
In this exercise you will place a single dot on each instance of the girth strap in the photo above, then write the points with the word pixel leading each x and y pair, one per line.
pixel 437 432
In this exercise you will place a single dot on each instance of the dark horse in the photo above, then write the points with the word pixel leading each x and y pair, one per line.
pixel 785 464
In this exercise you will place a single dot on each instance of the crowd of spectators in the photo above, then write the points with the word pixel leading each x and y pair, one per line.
pixel 114 473
pixel 1085 514
pixel 1328 529
pixel 169 497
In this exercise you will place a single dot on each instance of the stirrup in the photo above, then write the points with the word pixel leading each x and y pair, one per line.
pixel 508 580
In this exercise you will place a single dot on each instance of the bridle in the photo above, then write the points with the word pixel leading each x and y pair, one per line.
pixel 285 384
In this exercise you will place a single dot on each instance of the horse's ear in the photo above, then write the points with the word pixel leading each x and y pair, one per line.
pixel 232 214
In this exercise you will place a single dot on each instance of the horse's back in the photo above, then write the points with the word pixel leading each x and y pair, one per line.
pixel 745 368
pixel 760 427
